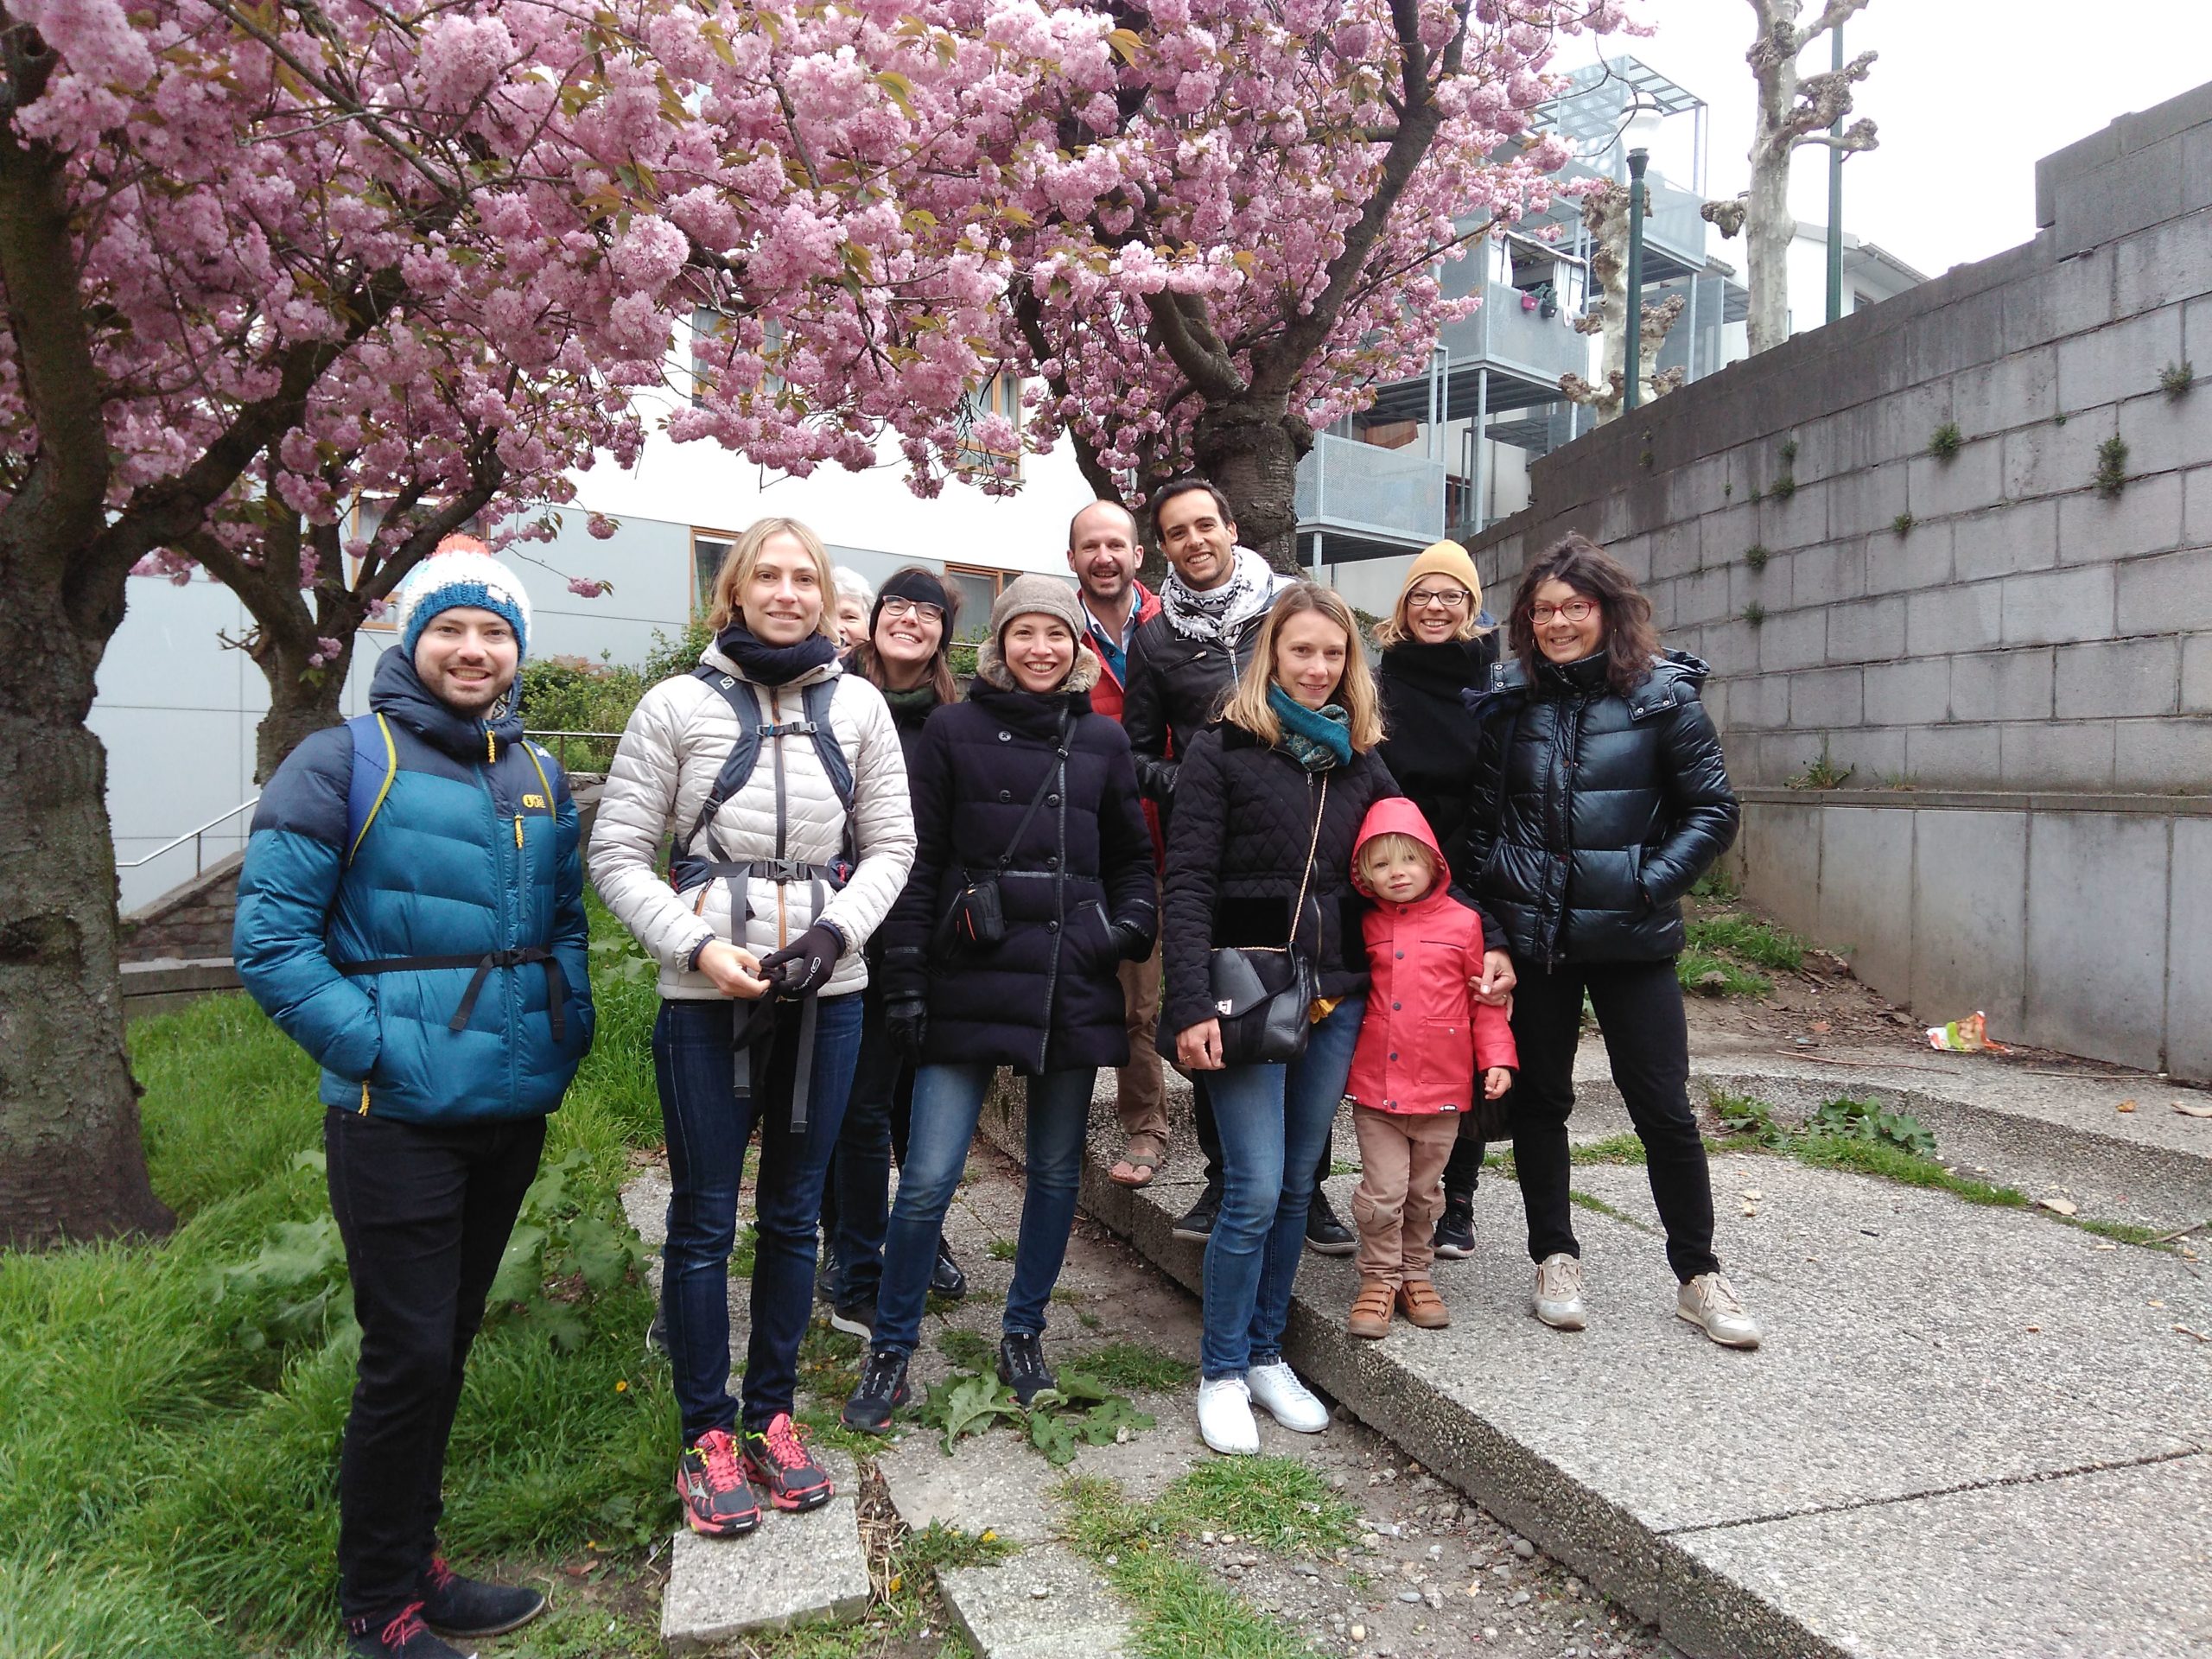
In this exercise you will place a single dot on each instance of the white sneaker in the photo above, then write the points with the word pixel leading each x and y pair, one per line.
pixel 1288 1401
pixel 1559 1292
pixel 1225 1417
pixel 1710 1302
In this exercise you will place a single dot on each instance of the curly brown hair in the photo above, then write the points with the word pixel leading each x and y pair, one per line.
pixel 1631 643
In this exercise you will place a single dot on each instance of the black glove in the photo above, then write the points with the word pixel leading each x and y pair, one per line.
pixel 906 1023
pixel 803 966
pixel 1132 940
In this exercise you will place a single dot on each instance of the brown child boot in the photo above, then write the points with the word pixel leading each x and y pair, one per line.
pixel 1370 1310
pixel 1418 1300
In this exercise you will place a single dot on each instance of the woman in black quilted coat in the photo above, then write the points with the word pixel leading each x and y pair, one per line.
pixel 1279 786
pixel 1021 788
pixel 1600 795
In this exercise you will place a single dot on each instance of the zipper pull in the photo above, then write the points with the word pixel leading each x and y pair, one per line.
pixel 491 746
pixel 517 829
pixel 364 1096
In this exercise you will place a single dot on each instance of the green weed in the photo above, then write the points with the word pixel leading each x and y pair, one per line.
pixel 1820 772
pixel 2111 475
pixel 1002 1250
pixel 1613 1149
pixel 969 1350
pixel 1752 940
pixel 1866 1120
pixel 1134 1366
pixel 1904 522
pixel 1741 1114
pixel 1714 975
pixel 1946 442
pixel 2177 378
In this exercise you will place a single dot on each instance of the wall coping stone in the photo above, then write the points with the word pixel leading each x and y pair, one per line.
pixel 1979 800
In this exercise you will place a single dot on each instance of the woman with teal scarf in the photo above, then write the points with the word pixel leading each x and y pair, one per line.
pixel 1268 806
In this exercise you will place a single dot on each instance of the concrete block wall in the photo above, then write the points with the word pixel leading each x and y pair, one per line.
pixel 1986 621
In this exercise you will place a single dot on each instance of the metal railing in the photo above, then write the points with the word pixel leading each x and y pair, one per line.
pixel 599 749
pixel 197 837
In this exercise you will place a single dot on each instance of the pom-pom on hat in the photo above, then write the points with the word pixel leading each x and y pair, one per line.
pixel 461 572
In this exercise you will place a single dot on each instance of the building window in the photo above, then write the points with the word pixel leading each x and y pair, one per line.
pixel 709 549
pixel 714 342
pixel 1000 395
pixel 978 590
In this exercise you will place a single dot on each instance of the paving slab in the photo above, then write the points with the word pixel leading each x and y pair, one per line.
pixel 1923 1356
pixel 1047 1603
pixel 795 1570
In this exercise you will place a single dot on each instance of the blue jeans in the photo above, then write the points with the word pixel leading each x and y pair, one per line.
pixel 1274 1122
pixel 948 1099
pixel 857 1202
pixel 709 1123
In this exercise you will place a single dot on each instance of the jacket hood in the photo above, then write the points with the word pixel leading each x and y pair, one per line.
pixel 397 692
pixel 1395 815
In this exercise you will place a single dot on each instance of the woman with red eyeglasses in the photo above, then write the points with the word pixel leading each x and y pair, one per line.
pixel 1600 795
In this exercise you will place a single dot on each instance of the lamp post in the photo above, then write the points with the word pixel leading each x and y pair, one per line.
pixel 1631 394
pixel 1835 199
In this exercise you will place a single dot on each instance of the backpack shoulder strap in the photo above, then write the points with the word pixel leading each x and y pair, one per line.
pixel 376 763
pixel 737 766
pixel 817 698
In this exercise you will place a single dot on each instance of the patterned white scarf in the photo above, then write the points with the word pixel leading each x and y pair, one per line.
pixel 1219 613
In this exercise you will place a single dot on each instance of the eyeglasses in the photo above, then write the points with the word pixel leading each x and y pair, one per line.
pixel 922 610
pixel 1575 610
pixel 1452 598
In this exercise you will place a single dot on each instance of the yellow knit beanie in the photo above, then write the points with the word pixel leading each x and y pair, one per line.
pixel 1444 559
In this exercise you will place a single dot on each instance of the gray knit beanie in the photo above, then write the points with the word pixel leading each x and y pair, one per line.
pixel 1036 595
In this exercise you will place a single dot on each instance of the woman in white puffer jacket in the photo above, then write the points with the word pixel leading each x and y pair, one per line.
pixel 758 929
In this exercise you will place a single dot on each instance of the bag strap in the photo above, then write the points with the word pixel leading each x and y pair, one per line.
pixel 376 763
pixel 1297 910
pixel 1057 770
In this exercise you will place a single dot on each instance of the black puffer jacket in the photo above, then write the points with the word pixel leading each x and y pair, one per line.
pixel 1244 820
pixel 1592 812
pixel 1175 685
pixel 1048 997
pixel 1432 738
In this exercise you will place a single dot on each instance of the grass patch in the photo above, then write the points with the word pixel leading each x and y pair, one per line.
pixel 1716 976
pixel 1613 1149
pixel 1750 939
pixel 1893 1163
pixel 167 1482
pixel 1135 1366
pixel 970 1349
pixel 1002 1249
pixel 1597 1205
pixel 1180 1612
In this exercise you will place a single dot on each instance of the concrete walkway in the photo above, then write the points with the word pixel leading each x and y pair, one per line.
pixel 1971 1430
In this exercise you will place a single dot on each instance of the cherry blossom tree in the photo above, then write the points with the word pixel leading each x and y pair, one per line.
pixel 1794 110
pixel 1234 242
pixel 261 255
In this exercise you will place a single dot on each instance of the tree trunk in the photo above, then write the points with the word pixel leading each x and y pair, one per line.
pixel 71 1165
pixel 1768 227
pixel 1251 454
pixel 303 699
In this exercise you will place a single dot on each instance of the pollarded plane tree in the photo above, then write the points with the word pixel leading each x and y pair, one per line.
pixel 1230 245
pixel 260 258
pixel 1795 109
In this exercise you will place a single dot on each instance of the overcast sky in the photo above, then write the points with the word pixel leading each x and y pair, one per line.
pixel 1967 94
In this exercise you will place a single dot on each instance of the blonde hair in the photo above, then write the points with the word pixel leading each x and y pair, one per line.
pixel 1376 848
pixel 745 553
pixel 1246 704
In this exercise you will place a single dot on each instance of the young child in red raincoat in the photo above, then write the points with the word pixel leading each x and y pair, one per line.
pixel 1421 1043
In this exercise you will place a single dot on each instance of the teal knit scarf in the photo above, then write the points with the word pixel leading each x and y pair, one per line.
pixel 1316 738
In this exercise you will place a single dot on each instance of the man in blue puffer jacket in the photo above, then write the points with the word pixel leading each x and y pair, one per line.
pixel 411 912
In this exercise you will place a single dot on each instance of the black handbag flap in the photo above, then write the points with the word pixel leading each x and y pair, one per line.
pixel 1239 980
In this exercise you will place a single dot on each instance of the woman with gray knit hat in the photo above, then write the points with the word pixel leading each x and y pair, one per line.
pixel 1032 884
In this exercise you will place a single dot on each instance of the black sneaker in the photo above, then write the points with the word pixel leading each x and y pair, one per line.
pixel 1022 1367
pixel 882 1390
pixel 717 1500
pixel 452 1606
pixel 1455 1231
pixel 1324 1234
pixel 855 1319
pixel 825 1276
pixel 776 1458
pixel 657 1335
pixel 1197 1224
pixel 403 1635
pixel 946 1278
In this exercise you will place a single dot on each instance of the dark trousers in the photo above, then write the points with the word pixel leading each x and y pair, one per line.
pixel 856 1198
pixel 1639 1008
pixel 424 1212
pixel 1210 1139
pixel 1463 1170
pixel 709 1122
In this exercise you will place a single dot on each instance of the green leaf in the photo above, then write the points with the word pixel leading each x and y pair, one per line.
pixel 521 1267
pixel 1054 1436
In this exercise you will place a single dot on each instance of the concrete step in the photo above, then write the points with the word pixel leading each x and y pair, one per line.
pixel 1969 1430
pixel 796 1570
pixel 167 983
pixel 1047 1603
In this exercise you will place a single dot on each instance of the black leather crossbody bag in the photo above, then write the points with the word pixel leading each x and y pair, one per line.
pixel 976 919
pixel 1262 995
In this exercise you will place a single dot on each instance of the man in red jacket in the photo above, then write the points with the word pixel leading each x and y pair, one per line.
pixel 1103 551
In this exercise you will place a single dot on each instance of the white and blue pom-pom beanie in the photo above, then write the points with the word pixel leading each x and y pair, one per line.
pixel 445 580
